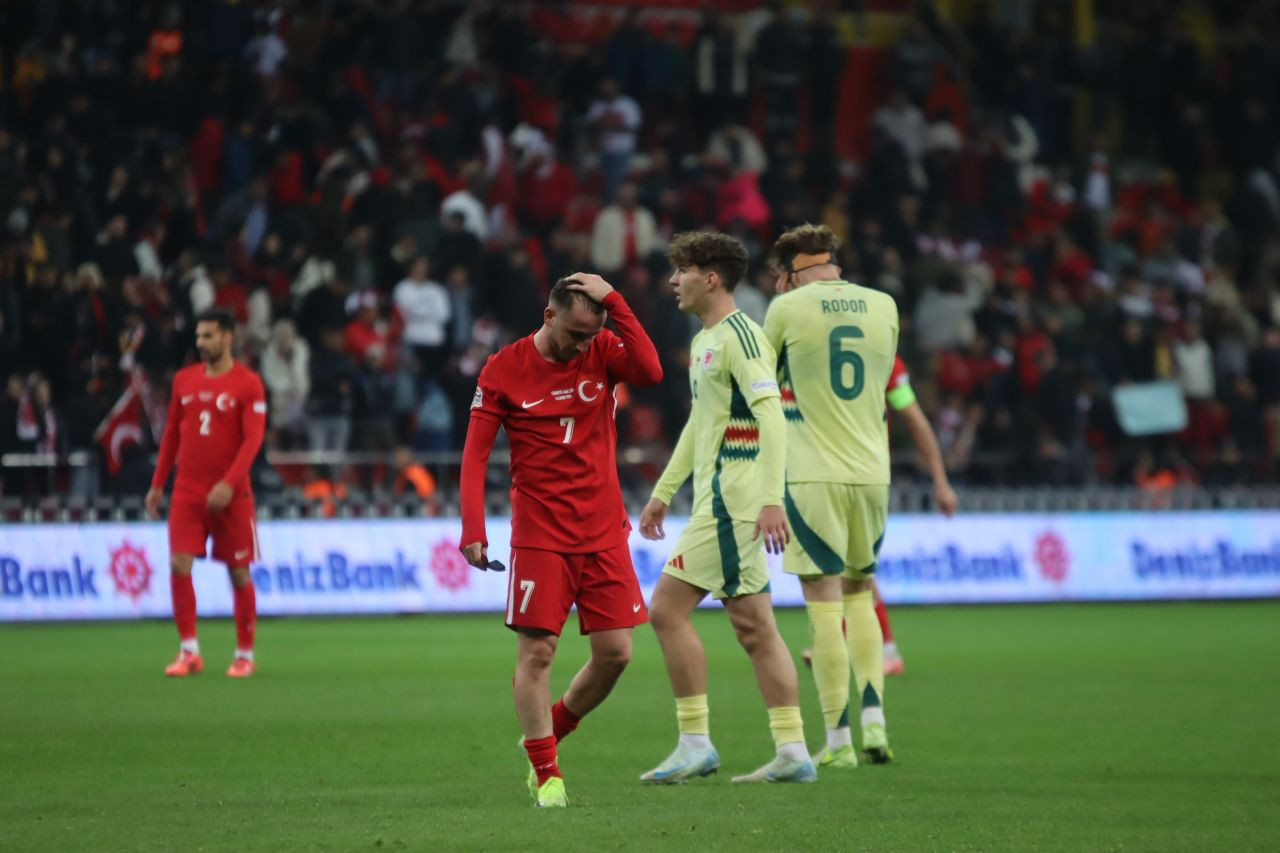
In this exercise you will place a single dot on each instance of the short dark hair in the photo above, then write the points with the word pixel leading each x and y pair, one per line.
pixel 806 239
pixel 563 297
pixel 224 318
pixel 710 250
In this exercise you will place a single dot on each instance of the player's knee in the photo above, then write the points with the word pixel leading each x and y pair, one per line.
pixel 537 656
pixel 749 639
pixel 748 633
pixel 852 587
pixel 180 564
pixel 662 619
pixel 612 660
pixel 240 577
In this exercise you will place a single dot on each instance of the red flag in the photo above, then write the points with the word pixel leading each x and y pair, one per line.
pixel 121 427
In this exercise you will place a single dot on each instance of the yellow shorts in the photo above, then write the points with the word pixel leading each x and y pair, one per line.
pixel 720 556
pixel 836 529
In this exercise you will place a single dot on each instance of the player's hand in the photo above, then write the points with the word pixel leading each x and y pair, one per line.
pixel 945 497
pixel 152 502
pixel 219 497
pixel 477 554
pixel 593 286
pixel 773 524
pixel 651 519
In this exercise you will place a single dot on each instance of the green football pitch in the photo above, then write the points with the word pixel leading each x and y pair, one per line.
pixel 1112 727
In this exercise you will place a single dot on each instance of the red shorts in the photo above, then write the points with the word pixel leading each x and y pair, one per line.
pixel 234 530
pixel 543 585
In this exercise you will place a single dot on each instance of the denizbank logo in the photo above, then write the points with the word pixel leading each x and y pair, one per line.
pixel 1222 559
pixel 953 564
pixel 73 579
pixel 335 573
pixel 76 577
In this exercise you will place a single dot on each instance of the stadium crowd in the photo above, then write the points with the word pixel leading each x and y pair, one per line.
pixel 383 193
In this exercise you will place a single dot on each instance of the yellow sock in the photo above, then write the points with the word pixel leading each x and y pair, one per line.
pixel 786 725
pixel 866 648
pixel 693 717
pixel 830 661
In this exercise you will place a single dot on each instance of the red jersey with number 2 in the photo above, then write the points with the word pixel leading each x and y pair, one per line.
pixel 214 429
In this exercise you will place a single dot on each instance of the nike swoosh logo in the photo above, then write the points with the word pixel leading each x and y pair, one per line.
pixel 525 405
pixel 635 608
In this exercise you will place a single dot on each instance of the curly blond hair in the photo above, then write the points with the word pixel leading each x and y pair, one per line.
pixel 710 250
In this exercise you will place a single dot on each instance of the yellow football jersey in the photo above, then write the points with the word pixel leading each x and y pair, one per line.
pixel 835 342
pixel 731 368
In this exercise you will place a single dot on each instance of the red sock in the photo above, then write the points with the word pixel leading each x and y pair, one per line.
pixel 542 755
pixel 246 611
pixel 563 721
pixel 883 615
pixel 184 605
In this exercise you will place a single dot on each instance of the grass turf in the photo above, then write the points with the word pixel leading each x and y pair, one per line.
pixel 1117 727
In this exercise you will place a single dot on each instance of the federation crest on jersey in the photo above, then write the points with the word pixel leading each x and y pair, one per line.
pixel 708 356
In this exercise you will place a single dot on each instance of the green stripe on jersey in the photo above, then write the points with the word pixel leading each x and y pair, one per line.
pixel 745 335
pixel 729 565
pixel 826 559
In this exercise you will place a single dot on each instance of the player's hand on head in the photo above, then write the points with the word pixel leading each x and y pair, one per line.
pixel 152 502
pixel 219 497
pixel 651 519
pixel 477 554
pixel 945 496
pixel 592 285
pixel 773 524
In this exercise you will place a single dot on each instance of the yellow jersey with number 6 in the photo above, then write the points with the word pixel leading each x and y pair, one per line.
pixel 835 342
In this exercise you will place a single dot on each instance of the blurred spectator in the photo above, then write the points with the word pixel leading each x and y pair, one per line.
pixel 721 72
pixel 425 308
pixel 779 55
pixel 266 51
pixel 735 146
pixel 624 233
pixel 411 475
pixel 904 124
pixel 944 314
pixel 286 372
pixel 615 116
pixel 331 402
pixel 458 246
pixel 466 202
pixel 1194 363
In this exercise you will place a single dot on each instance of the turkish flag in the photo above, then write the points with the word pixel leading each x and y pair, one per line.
pixel 120 428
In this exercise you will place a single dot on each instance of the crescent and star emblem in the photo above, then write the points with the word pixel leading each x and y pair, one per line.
pixel 582 390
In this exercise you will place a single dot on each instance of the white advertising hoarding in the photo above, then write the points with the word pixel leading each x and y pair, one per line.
pixel 114 571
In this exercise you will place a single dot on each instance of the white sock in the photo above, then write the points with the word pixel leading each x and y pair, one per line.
pixel 192 646
pixel 836 738
pixel 890 649
pixel 795 751
pixel 247 654
pixel 872 715
pixel 699 742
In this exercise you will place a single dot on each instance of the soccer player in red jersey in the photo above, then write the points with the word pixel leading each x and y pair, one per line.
pixel 902 399
pixel 553 394
pixel 217 416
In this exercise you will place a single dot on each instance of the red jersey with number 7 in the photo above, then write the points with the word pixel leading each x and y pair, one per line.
pixel 559 420
pixel 214 429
